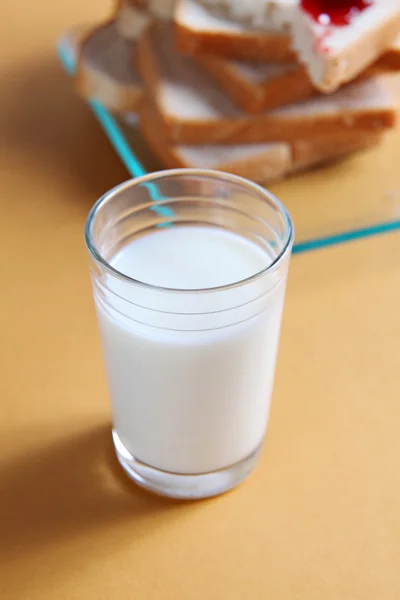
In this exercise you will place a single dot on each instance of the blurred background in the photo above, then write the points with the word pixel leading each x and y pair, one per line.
pixel 44 127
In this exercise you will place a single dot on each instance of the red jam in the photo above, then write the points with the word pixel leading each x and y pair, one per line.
pixel 334 12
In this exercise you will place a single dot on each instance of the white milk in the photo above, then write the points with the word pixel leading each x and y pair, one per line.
pixel 191 393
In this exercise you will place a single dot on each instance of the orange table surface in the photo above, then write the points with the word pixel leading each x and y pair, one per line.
pixel 319 519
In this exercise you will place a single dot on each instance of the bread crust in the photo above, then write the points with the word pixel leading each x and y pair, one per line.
pixel 243 43
pixel 288 87
pixel 264 166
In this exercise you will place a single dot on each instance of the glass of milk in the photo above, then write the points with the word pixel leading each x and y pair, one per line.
pixel 189 270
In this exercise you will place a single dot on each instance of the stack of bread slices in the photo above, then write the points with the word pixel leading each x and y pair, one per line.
pixel 258 88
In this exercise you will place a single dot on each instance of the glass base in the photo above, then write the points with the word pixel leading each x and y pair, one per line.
pixel 185 487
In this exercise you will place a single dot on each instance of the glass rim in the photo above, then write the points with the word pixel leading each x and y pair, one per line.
pixel 206 173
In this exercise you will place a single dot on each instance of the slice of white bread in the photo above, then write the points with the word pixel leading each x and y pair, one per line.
pixel 258 162
pixel 106 69
pixel 194 111
pixel 261 86
pixel 278 14
pixel 256 87
pixel 200 32
pixel 262 163
pixel 334 55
